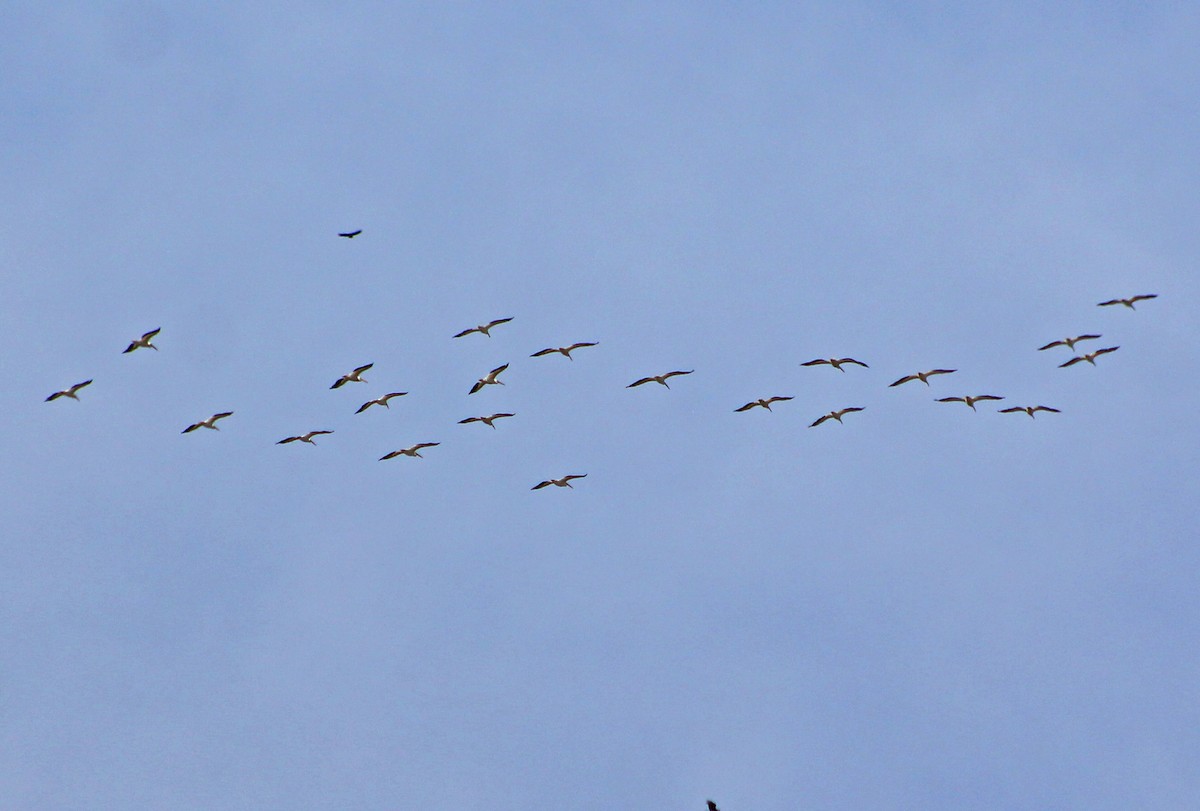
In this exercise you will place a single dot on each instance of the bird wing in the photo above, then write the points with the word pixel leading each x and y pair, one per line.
pixel 56 395
pixel 79 386
pixel 545 351
pixel 470 419
pixel 1046 408
pixel 540 485
pixel 392 394
pixel 574 476
pixel 498 416
pixel 952 399
pixel 289 439
pixel 746 407
pixel 640 382
pixel 318 433
pixel 940 372
pixel 1106 350
pixel 391 455
pixel 1071 362
pixel 1010 410
pixel 677 373
pixel 852 360
pixel 221 416
pixel 498 321
pixel 904 379
pixel 467 332
pixel 986 397
pixel 778 399
pixel 1110 303
pixel 1144 297
pixel 498 369
pixel 816 362
pixel 365 406
pixel 191 427
pixel 478 385
pixel 852 409
pixel 1053 344
pixel 1087 338
pixel 362 369
pixel 821 420
pixel 341 381
pixel 582 344
pixel 420 445
pixel 146 336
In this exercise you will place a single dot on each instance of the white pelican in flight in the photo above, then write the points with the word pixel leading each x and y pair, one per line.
pixel 1029 410
pixel 970 399
pixel 72 391
pixel 835 415
pixel 414 450
pixel 564 350
pixel 303 438
pixel 1128 302
pixel 144 341
pixel 211 422
pixel 565 481
pixel 922 376
pixel 383 401
pixel 489 379
pixel 765 402
pixel 484 328
pixel 835 363
pixel 1069 343
pixel 658 379
pixel 1090 357
pixel 488 420
pixel 352 377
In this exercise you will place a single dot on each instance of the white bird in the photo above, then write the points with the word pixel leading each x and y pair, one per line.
pixel 1128 302
pixel 72 391
pixel 565 350
pixel 488 421
pixel 415 450
pixel 834 415
pixel 383 401
pixel 1090 357
pixel 565 481
pixel 658 379
pixel 835 363
pixel 1029 410
pixel 970 399
pixel 352 377
pixel 1069 343
pixel 211 422
pixel 764 402
pixel 144 341
pixel 303 438
pixel 489 379
pixel 484 327
pixel 922 376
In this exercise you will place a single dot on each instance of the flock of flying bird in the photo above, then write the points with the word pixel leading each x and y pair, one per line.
pixel 493 378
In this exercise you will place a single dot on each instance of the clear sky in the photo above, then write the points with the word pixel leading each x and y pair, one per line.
pixel 924 607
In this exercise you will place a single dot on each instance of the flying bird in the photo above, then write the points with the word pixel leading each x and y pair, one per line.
pixel 484 328
pixel 144 341
pixel 565 481
pixel 1128 302
pixel 352 377
pixel 835 363
pixel 922 376
pixel 764 402
pixel 72 391
pixel 565 350
pixel 1029 410
pixel 970 399
pixel 304 438
pixel 712 806
pixel 1090 357
pixel 834 415
pixel 658 379
pixel 1069 343
pixel 488 421
pixel 383 401
pixel 350 234
pixel 211 422
pixel 415 450
pixel 488 379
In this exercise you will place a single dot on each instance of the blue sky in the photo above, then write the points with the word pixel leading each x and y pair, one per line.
pixel 924 607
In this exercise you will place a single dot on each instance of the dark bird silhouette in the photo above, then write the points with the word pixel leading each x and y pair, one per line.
pixel 484 328
pixel 1029 410
pixel 712 806
pixel 211 422
pixel 1128 302
pixel 303 438
pixel 414 450
pixel 488 421
pixel 352 377
pixel 71 391
pixel 383 401
pixel 350 234
pixel 922 376
pixel 144 341
pixel 834 415
pixel 764 402
pixel 489 379
pixel 1069 343
pixel 970 399
pixel 658 379
pixel 565 481
pixel 835 363
pixel 1090 357
pixel 565 350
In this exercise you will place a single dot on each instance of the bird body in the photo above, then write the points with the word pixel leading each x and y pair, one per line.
pixel 303 438
pixel 1069 343
pixel 383 401
pixel 70 391
pixel 835 415
pixel 143 342
pixel 488 420
pixel 484 328
pixel 565 481
pixel 658 379
pixel 970 399
pixel 765 402
pixel 922 376
pixel 352 377
pixel 1029 410
pixel 1090 357
pixel 414 450
pixel 211 422
pixel 489 379
pixel 835 363
pixel 564 350
pixel 1128 302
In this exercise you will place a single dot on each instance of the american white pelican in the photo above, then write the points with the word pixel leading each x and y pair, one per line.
pixel 383 401
pixel 1069 343
pixel 144 341
pixel 835 363
pixel 1090 357
pixel 415 450
pixel 834 415
pixel 484 328
pixel 564 350
pixel 211 422
pixel 565 481
pixel 658 379
pixel 1029 410
pixel 72 391
pixel 922 376
pixel 352 377
pixel 970 399
pixel 764 402
pixel 488 379
pixel 350 234
pixel 303 438
pixel 1128 302
pixel 488 421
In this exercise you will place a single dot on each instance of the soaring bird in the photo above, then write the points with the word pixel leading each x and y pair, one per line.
pixel 565 481
pixel 922 376
pixel 835 363
pixel 304 438
pixel 712 806
pixel 352 377
pixel 488 379
pixel 488 421
pixel 484 328
pixel 658 379
pixel 72 391
pixel 383 401
pixel 144 341
pixel 350 234
pixel 1128 302
pixel 1090 357
pixel 1029 409
pixel 834 415
pixel 211 422
pixel 970 399
pixel 415 450
pixel 565 350
pixel 764 402
pixel 1069 343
